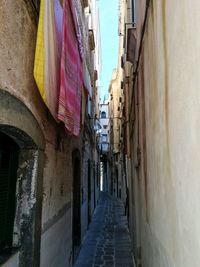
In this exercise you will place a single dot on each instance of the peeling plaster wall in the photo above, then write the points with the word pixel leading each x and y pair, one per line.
pixel 18 27
pixel 167 186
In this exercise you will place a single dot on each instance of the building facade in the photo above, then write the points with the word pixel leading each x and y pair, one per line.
pixel 49 179
pixel 104 145
pixel 117 124
pixel 160 68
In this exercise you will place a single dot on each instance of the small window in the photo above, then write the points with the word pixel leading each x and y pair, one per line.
pixel 133 11
pixel 105 126
pixel 103 115
pixel 104 137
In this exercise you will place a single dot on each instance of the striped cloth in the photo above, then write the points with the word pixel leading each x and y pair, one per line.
pixel 71 79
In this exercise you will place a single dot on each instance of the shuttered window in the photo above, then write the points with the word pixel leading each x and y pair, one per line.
pixel 8 175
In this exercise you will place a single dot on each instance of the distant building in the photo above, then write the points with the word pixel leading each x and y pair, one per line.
pixel 104 143
pixel 104 121
pixel 160 61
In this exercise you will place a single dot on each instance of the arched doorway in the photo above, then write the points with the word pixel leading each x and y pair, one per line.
pixel 76 224
pixel 9 154
pixel 21 171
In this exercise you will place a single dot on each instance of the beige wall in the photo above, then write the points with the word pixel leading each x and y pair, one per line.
pixel 166 195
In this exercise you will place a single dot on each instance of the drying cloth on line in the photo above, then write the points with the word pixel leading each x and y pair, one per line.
pixel 48 53
pixel 39 53
pixel 71 79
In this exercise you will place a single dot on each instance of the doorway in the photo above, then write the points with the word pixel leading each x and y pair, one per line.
pixel 76 227
pixel 94 184
pixel 9 152
pixel 117 183
pixel 89 192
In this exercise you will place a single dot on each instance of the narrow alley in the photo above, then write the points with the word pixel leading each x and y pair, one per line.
pixel 107 242
pixel 99 133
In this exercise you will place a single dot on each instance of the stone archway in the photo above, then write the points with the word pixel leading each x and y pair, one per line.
pixel 19 124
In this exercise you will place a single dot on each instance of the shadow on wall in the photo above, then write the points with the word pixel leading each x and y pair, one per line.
pixel 21 165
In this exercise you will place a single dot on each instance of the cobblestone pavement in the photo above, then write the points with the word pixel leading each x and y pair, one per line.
pixel 107 243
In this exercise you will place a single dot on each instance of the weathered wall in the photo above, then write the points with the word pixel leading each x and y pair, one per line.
pixel 18 27
pixel 166 181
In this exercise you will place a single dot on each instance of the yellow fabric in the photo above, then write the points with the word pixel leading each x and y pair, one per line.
pixel 39 53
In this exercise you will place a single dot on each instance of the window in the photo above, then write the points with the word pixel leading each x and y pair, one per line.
pixel 104 137
pixel 103 115
pixel 89 106
pixel 105 126
pixel 133 11
pixel 8 175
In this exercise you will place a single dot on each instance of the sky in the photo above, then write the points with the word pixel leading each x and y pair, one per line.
pixel 109 41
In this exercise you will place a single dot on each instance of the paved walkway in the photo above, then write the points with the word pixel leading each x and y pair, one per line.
pixel 107 243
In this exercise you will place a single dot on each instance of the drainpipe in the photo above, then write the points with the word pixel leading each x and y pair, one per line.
pixel 135 73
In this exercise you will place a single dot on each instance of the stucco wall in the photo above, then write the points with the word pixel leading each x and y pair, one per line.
pixel 18 28
pixel 169 76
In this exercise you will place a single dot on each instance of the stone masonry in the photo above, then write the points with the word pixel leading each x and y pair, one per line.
pixel 107 242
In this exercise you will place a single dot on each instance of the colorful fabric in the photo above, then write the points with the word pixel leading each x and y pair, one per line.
pixel 71 73
pixel 39 53
pixel 58 12
pixel 52 55
pixel 48 53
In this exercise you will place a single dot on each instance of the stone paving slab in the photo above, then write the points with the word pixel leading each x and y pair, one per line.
pixel 107 242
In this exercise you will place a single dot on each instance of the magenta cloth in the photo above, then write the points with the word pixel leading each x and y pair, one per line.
pixel 71 79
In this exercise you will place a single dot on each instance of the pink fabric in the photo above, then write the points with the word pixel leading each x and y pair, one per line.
pixel 71 73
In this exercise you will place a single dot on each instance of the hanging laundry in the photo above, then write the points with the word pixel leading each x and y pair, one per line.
pixel 48 53
pixel 71 82
pixel 39 53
